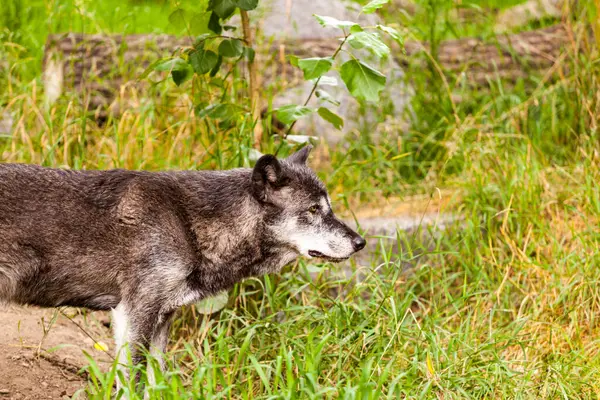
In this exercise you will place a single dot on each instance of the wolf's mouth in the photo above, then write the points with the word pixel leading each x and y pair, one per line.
pixel 317 254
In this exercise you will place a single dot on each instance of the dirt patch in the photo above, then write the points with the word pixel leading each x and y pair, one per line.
pixel 41 351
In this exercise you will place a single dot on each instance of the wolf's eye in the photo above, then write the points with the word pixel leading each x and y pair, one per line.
pixel 313 209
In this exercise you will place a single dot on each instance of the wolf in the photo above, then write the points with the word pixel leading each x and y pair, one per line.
pixel 143 244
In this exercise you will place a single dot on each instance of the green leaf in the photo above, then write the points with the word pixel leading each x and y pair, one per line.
pixel 254 155
pixel 328 81
pixel 213 304
pixel 214 24
pixel 336 23
pixel 171 64
pixel 291 113
pixel 315 67
pixel 181 75
pixel 356 28
pixel 153 67
pixel 197 23
pixel 178 18
pixel 374 5
pixel 246 4
pixel 293 60
pixel 371 41
pixel 200 40
pixel 231 48
pixel 216 68
pixel 323 95
pixel 331 117
pixel 179 68
pixel 393 33
pixel 203 61
pixel 300 138
pixel 223 8
pixel 362 81
pixel 249 53
pixel 224 111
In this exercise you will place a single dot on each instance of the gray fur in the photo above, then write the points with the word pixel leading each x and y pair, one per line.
pixel 152 242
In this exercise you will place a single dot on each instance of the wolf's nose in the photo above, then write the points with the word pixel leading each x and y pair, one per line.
pixel 358 243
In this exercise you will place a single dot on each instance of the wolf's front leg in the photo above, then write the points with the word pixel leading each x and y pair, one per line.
pixel 121 326
pixel 138 329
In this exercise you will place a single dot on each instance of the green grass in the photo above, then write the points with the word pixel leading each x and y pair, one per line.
pixel 505 304
pixel 27 23
pixel 436 20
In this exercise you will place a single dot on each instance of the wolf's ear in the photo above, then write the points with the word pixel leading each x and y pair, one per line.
pixel 267 176
pixel 300 156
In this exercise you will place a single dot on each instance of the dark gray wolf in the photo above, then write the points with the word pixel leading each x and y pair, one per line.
pixel 143 244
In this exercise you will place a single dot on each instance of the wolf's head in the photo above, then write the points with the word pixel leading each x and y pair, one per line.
pixel 298 209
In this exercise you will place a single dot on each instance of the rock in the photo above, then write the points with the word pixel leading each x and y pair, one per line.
pixel 388 226
pixel 531 10
pixel 424 228
pixel 294 19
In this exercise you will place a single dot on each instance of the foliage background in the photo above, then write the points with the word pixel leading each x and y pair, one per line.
pixel 503 304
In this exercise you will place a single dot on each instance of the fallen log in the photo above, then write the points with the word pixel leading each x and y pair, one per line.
pixel 506 57
pixel 98 65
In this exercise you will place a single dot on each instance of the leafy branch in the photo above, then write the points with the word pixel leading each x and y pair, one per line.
pixel 254 88
pixel 210 51
pixel 326 64
pixel 363 81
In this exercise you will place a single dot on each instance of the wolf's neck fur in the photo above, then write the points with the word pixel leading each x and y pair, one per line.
pixel 228 222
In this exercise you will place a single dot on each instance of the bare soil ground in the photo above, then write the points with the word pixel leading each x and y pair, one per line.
pixel 41 353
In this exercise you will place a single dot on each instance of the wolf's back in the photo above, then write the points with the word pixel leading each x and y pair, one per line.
pixel 56 225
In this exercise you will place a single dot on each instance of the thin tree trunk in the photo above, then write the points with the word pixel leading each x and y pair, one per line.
pixel 254 84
